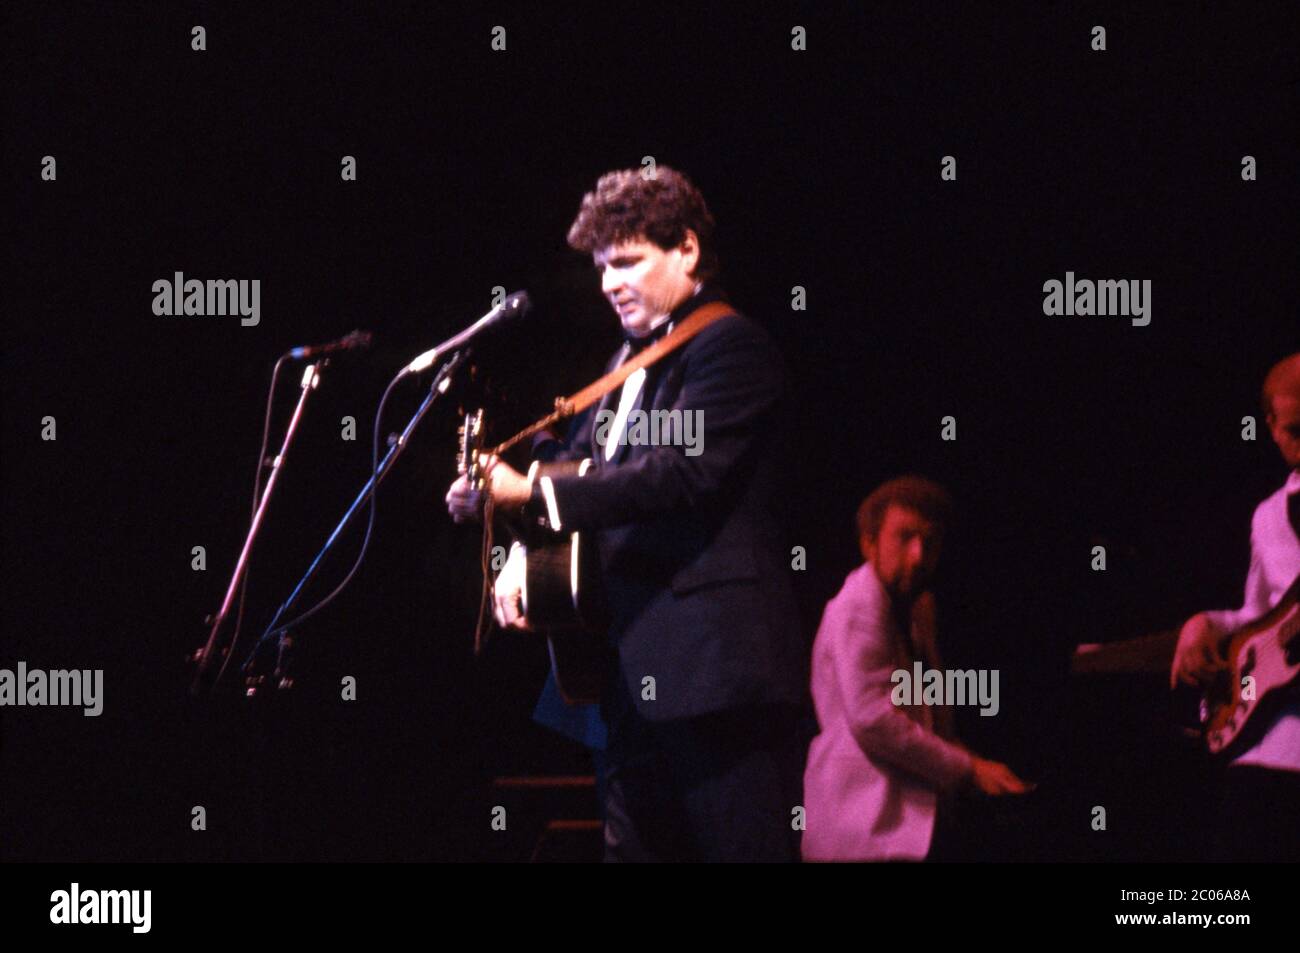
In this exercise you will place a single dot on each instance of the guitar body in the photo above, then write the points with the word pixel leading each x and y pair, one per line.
pixel 565 601
pixel 562 582
pixel 1267 650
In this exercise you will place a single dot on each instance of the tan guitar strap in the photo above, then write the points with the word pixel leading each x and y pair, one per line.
pixel 566 407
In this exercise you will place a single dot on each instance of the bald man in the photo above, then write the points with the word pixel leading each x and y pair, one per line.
pixel 1260 818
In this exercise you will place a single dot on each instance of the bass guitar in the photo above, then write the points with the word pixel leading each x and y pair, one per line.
pixel 1263 664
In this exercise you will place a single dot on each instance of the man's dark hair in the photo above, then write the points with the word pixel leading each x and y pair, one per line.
pixel 913 492
pixel 631 204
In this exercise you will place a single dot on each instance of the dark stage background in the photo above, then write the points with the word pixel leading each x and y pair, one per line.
pixel 822 169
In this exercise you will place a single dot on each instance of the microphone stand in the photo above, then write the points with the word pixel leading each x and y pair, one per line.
pixel 204 656
pixel 254 681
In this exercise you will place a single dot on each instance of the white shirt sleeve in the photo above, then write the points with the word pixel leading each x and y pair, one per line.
pixel 864 666
pixel 1254 602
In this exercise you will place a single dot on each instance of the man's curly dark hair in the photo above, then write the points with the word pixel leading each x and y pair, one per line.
pixel 628 205
pixel 911 492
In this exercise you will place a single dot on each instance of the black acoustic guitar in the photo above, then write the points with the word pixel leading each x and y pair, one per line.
pixel 563 597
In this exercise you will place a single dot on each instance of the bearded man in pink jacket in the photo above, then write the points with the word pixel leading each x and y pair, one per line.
pixel 876 771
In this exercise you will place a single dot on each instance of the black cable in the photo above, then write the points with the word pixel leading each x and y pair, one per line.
pixel 370 523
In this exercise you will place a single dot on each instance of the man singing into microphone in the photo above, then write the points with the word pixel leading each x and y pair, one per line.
pixel 705 688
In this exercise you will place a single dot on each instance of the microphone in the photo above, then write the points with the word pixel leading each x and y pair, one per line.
pixel 357 340
pixel 514 306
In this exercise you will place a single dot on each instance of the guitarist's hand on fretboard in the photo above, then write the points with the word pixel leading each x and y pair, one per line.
pixel 464 503
pixel 508 488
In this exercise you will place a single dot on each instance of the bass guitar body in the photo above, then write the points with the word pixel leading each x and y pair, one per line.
pixel 1263 661
pixel 1228 713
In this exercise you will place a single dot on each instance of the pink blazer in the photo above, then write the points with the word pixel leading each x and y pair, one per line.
pixel 874 771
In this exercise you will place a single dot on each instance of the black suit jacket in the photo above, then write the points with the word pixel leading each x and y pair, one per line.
pixel 696 574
